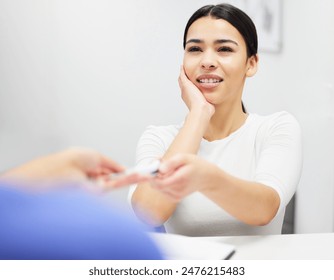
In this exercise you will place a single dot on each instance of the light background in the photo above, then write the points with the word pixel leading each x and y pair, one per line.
pixel 96 73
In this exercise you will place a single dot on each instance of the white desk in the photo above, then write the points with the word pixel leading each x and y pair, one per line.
pixel 319 246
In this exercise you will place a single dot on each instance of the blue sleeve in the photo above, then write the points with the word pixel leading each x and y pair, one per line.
pixel 68 224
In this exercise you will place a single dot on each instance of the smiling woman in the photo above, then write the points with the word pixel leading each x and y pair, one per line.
pixel 224 171
pixel 224 63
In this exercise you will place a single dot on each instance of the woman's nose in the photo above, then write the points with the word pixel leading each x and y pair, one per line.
pixel 208 62
pixel 208 66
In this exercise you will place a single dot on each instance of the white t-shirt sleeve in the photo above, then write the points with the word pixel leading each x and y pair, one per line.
pixel 280 155
pixel 152 145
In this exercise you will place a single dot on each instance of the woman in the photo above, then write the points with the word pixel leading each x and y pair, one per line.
pixel 224 171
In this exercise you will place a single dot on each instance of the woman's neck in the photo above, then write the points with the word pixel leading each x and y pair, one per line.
pixel 224 122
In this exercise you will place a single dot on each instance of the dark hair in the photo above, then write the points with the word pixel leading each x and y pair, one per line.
pixel 236 17
pixel 239 19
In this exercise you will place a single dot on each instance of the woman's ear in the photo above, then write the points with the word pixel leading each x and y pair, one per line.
pixel 252 65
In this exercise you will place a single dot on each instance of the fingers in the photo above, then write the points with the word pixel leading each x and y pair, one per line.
pixel 182 73
pixel 177 179
pixel 109 164
pixel 182 77
pixel 105 183
pixel 125 180
pixel 173 163
pixel 176 185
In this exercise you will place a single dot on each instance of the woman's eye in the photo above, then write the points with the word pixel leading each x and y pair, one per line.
pixel 225 49
pixel 194 49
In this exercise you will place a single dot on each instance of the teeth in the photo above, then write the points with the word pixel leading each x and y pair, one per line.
pixel 207 81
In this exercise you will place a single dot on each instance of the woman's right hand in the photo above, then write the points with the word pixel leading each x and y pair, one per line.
pixel 192 96
pixel 182 175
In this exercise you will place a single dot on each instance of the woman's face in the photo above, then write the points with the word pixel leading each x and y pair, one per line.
pixel 215 60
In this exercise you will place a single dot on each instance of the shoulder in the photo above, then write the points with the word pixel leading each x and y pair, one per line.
pixel 279 121
pixel 162 129
pixel 165 133
pixel 277 117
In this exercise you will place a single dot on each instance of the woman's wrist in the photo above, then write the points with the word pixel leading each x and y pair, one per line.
pixel 194 127
pixel 201 115
pixel 205 110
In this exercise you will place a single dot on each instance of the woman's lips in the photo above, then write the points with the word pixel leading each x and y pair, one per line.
pixel 209 81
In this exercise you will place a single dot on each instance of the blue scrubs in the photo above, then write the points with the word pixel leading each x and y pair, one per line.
pixel 67 224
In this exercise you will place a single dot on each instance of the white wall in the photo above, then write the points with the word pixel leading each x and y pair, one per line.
pixel 83 73
pixel 301 80
pixel 95 73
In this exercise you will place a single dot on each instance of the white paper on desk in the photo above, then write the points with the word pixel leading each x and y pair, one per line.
pixel 180 247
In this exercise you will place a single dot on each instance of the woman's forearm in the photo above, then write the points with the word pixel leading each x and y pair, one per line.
pixel 250 202
pixel 153 206
pixel 191 134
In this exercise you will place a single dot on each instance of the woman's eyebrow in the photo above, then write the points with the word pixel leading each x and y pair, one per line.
pixel 197 41
pixel 219 41
pixel 222 41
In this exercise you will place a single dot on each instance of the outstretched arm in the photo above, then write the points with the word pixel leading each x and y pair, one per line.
pixel 74 164
pixel 251 202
